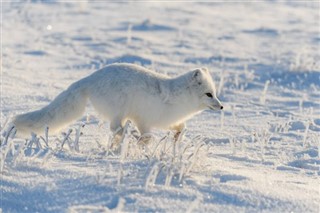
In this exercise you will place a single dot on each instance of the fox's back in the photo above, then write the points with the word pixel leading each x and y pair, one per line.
pixel 126 77
pixel 125 89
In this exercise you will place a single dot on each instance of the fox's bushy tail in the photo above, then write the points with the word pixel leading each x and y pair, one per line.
pixel 65 108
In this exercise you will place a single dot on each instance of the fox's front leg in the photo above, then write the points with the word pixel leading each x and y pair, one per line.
pixel 178 129
pixel 145 136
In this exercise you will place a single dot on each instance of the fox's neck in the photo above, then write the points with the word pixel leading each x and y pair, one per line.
pixel 180 93
pixel 180 84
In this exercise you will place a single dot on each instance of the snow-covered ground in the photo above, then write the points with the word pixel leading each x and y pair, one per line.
pixel 261 154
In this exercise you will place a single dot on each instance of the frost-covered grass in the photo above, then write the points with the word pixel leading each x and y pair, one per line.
pixel 167 156
pixel 261 154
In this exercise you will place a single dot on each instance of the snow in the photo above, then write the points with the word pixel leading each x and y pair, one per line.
pixel 261 154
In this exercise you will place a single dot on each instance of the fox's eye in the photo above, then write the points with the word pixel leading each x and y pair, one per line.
pixel 209 95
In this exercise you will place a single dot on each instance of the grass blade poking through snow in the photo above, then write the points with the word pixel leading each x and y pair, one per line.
pixel 152 177
pixel 77 138
pixel 264 93
pixel 305 135
pixel 6 136
pixel 221 83
pixel 46 139
pixel 124 141
pixel 66 137
pixel 194 155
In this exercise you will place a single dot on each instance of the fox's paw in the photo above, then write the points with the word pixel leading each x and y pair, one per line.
pixel 145 139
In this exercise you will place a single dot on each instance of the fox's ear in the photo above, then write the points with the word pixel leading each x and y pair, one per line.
pixel 196 76
pixel 196 73
pixel 205 69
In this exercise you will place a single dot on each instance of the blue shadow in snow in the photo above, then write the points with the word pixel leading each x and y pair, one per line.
pixel 205 60
pixel 227 178
pixel 262 32
pixel 64 193
pixel 35 52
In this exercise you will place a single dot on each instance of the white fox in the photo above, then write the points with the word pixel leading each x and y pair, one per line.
pixel 121 92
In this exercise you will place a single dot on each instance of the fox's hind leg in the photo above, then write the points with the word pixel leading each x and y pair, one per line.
pixel 116 126
pixel 117 130
pixel 143 129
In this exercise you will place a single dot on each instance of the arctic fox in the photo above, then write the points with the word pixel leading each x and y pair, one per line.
pixel 121 92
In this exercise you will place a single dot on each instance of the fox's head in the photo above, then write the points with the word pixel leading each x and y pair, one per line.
pixel 203 88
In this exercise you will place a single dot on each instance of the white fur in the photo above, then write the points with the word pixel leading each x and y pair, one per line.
pixel 121 92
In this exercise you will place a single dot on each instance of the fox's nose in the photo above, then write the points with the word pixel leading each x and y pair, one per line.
pixel 221 107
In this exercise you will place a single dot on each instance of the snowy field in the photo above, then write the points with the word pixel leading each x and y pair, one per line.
pixel 261 154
